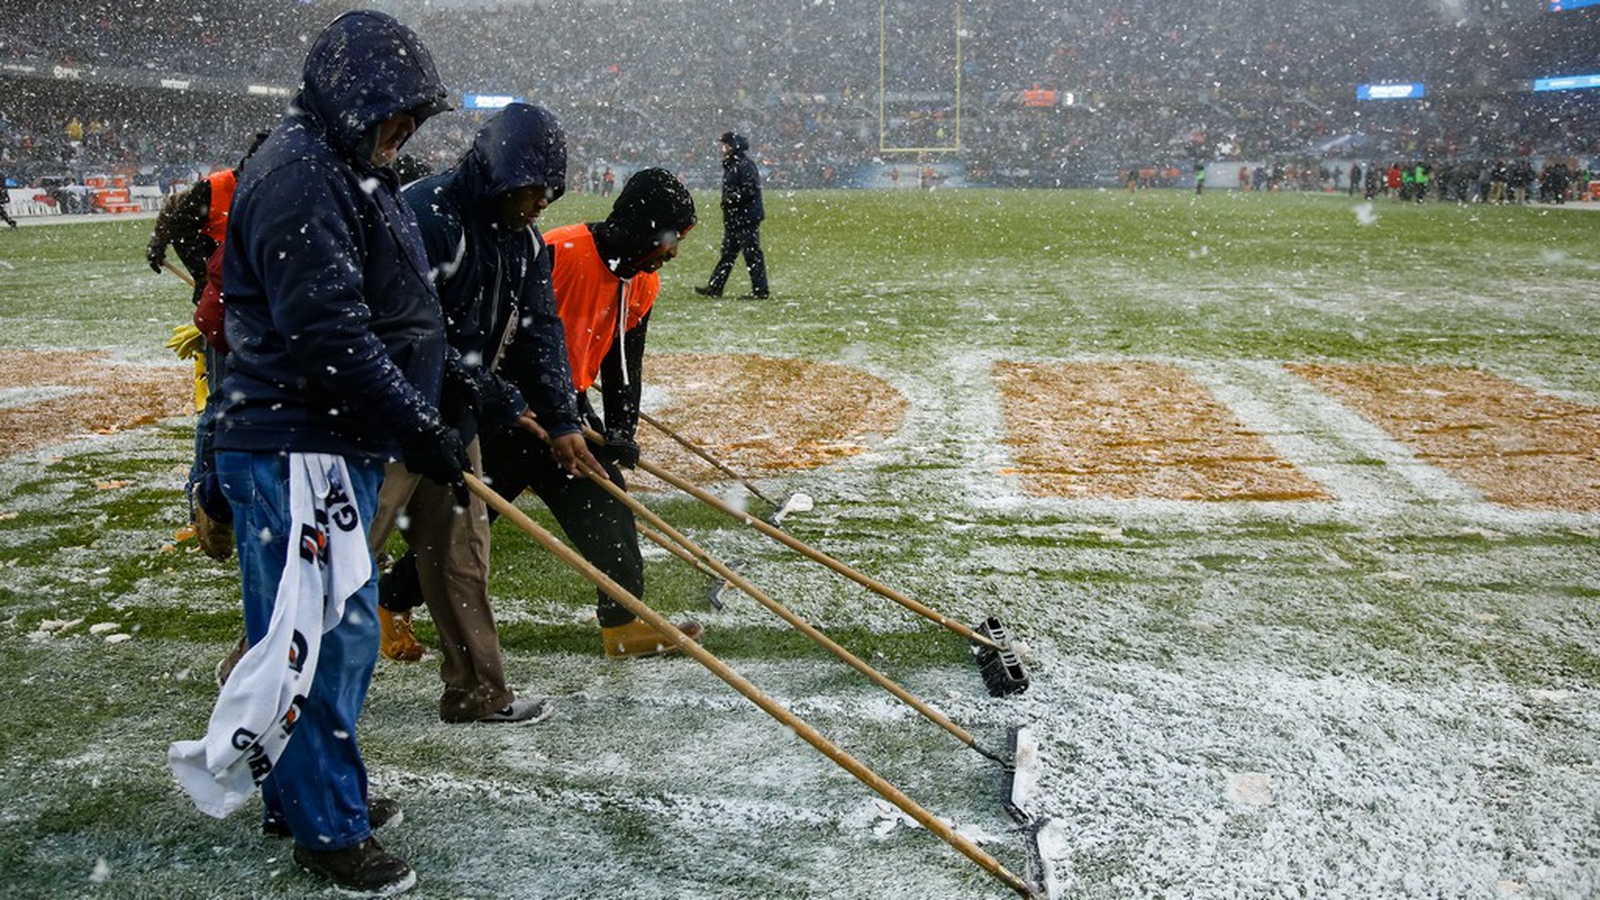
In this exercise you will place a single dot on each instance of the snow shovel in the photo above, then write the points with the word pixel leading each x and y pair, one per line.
pixel 998 663
pixel 752 693
pixel 797 502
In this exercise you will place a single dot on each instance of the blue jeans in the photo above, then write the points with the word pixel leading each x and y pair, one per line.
pixel 319 785
pixel 203 488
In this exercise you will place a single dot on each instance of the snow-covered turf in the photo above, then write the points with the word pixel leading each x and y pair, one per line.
pixel 1395 693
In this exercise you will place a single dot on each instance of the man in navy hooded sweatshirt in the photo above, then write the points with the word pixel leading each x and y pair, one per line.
pixel 338 349
pixel 493 273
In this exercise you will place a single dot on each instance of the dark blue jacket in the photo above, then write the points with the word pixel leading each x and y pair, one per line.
pixel 741 189
pixel 495 285
pixel 338 340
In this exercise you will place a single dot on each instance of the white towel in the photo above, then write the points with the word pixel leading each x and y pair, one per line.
pixel 327 562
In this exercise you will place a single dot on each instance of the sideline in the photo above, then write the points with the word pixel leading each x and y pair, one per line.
pixel 79 218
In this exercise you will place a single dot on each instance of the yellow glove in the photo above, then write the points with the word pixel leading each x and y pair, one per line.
pixel 186 341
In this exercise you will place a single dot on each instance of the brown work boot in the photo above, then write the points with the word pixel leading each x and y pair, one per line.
pixel 638 639
pixel 365 870
pixel 398 641
pixel 216 538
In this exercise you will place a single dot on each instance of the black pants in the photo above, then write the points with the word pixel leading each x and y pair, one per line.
pixel 734 242
pixel 4 215
pixel 597 524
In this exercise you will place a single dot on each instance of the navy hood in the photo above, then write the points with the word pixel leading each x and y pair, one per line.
pixel 737 141
pixel 520 146
pixel 365 67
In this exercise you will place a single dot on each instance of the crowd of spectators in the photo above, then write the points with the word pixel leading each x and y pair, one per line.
pixel 642 82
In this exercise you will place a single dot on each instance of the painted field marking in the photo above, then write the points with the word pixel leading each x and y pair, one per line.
pixel 1135 429
pixel 764 414
pixel 1361 466
pixel 1520 447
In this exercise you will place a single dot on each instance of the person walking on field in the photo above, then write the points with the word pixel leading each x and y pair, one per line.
pixel 5 201
pixel 742 214
pixel 606 283
pixel 337 355
pixel 492 270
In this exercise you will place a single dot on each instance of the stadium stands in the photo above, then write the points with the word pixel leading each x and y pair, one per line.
pixel 1057 94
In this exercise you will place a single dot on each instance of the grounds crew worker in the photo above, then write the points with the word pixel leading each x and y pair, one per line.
pixel 742 214
pixel 606 282
pixel 338 353
pixel 494 282
pixel 195 224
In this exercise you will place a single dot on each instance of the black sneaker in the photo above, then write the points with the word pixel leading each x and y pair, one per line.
pixel 706 292
pixel 365 870
pixel 381 811
pixel 754 296
pixel 522 711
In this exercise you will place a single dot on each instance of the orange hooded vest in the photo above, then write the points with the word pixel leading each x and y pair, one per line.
pixel 222 185
pixel 589 297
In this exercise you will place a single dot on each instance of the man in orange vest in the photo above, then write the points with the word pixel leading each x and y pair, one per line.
pixel 195 224
pixel 195 221
pixel 605 281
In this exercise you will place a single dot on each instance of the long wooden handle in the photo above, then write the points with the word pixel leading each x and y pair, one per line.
pixel 686 548
pixel 662 541
pixel 752 693
pixel 178 272
pixel 815 555
pixel 703 454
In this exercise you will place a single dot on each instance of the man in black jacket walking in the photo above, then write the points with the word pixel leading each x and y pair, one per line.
pixel 742 213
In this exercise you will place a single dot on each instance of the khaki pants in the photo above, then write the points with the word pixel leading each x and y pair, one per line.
pixel 453 568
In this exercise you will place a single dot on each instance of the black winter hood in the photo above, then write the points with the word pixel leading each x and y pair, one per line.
pixel 651 202
pixel 737 141
pixel 365 67
pixel 520 146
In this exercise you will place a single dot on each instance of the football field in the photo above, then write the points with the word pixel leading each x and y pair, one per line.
pixel 1293 502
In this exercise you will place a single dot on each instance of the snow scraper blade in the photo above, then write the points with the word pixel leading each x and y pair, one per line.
pixel 797 502
pixel 721 586
pixel 1021 786
pixel 1001 667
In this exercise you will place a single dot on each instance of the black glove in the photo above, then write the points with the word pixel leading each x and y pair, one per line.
pixel 155 255
pixel 438 455
pixel 621 450
pixel 461 401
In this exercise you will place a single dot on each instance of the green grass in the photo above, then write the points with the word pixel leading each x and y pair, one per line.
pixel 1416 670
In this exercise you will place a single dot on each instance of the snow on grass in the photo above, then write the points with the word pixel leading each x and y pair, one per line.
pixel 1391 694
